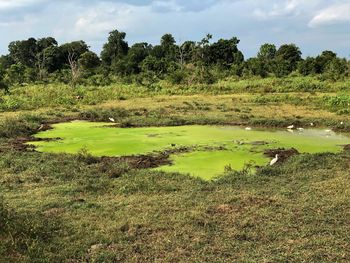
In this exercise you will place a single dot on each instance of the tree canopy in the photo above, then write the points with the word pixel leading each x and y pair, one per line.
pixel 204 61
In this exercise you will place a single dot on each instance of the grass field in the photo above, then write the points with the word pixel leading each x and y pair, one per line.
pixel 57 207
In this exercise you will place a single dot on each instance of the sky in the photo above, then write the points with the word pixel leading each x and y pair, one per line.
pixel 314 25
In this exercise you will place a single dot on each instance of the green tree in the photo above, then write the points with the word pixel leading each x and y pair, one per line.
pixel 323 60
pixel 185 52
pixel 115 48
pixel 202 51
pixel 158 66
pixel 287 58
pixel 72 50
pixel 256 67
pixel 336 69
pixel 89 60
pixel 132 64
pixel 267 52
pixel 16 73
pixel 3 84
pixel 43 43
pixel 225 53
pixel 168 46
pixel 51 59
pixel 307 66
pixel 24 52
pixel 6 61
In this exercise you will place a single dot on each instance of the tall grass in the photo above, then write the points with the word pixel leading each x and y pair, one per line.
pixel 54 95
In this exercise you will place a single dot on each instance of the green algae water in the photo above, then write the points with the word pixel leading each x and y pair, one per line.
pixel 213 148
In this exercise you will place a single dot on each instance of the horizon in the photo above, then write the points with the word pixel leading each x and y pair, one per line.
pixel 314 26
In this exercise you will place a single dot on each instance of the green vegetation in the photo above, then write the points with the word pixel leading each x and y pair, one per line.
pixel 297 210
pixel 211 147
pixel 82 206
pixel 188 63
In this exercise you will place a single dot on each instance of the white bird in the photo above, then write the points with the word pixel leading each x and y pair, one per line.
pixel 342 123
pixel 291 127
pixel 112 120
pixel 248 129
pixel 274 161
pixel 312 124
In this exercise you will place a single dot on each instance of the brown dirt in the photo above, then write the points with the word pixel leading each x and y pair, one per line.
pixel 147 161
pixel 45 127
pixel 19 144
pixel 283 154
pixel 346 147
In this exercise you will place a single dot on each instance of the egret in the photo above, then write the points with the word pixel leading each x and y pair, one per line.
pixel 342 123
pixel 41 127
pixel 274 161
pixel 291 127
pixel 248 129
pixel 112 120
pixel 312 124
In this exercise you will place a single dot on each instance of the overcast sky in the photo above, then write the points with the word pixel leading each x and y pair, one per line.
pixel 314 25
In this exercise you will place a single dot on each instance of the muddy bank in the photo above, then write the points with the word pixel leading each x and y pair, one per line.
pixel 146 161
pixel 283 154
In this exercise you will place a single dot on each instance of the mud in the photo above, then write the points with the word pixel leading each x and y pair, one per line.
pixel 283 154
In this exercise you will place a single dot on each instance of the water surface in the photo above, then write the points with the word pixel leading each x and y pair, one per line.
pixel 213 147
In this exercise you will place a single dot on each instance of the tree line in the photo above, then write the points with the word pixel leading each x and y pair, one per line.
pixel 206 61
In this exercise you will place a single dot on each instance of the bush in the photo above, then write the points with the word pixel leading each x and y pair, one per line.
pixel 340 103
pixel 178 77
pixel 23 126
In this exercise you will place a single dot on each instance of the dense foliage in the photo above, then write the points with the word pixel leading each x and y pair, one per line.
pixel 190 62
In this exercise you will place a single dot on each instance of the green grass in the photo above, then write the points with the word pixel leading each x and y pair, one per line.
pixel 295 212
pixel 57 207
pixel 33 97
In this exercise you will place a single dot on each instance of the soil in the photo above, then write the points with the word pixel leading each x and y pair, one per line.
pixel 148 161
pixel 347 147
pixel 283 154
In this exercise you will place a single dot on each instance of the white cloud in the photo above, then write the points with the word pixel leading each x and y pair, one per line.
pixel 276 21
pixel 10 4
pixel 274 9
pixel 106 17
pixel 337 13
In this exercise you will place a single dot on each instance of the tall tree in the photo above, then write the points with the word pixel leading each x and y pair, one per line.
pixel 225 53
pixel 89 60
pixel 70 54
pixel 74 50
pixel 185 52
pixel 267 52
pixel 43 43
pixel 168 46
pixel 136 55
pixel 287 58
pixel 24 52
pixel 307 66
pixel 323 60
pixel 115 48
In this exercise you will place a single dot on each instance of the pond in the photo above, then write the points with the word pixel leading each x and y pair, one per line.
pixel 209 150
